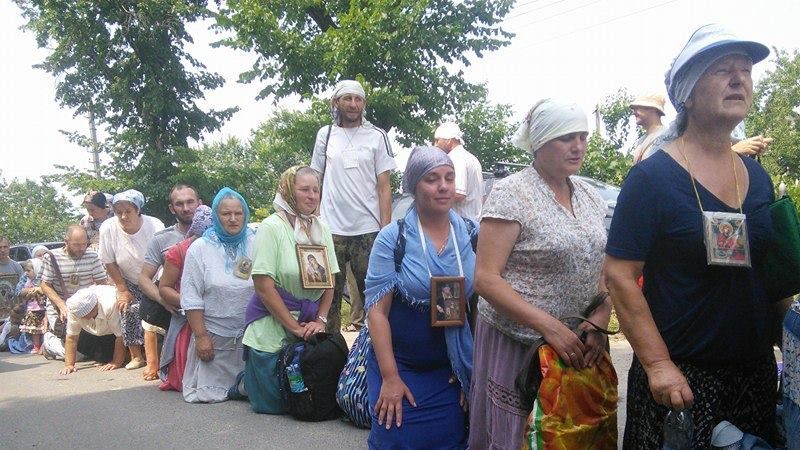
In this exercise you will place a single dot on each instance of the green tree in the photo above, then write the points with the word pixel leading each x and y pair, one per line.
pixel 487 134
pixel 398 49
pixel 607 157
pixel 776 113
pixel 126 63
pixel 33 212
pixel 254 167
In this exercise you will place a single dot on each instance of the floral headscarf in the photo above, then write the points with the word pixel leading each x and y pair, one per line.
pixel 202 220
pixel 307 228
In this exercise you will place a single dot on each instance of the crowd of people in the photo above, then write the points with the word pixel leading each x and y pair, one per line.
pixel 224 300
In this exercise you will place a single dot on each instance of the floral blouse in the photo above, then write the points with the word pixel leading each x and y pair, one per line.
pixel 556 261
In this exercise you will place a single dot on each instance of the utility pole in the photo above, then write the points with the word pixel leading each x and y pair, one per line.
pixel 597 121
pixel 95 145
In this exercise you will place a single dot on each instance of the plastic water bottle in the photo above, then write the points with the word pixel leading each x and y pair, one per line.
pixel 295 377
pixel 678 430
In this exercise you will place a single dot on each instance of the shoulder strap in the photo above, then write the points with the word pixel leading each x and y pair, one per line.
pixel 57 270
pixel 325 150
pixel 472 229
pixel 400 246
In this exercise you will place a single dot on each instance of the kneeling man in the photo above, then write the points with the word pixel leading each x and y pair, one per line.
pixel 93 309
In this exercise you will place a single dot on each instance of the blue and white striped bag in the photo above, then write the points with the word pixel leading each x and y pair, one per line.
pixel 351 394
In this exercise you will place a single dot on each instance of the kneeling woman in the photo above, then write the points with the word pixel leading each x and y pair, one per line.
pixel 215 289
pixel 418 375
pixel 283 310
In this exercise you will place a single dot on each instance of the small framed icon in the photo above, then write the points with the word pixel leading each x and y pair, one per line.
pixel 447 301
pixel 315 269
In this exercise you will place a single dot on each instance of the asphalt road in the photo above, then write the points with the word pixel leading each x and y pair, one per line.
pixel 92 409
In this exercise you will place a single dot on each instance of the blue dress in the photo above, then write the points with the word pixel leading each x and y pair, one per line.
pixel 437 422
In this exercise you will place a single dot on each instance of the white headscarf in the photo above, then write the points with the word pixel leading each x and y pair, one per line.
pixel 346 87
pixel 547 120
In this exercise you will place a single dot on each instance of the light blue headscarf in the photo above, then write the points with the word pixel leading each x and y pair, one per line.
pixel 414 284
pixel 235 245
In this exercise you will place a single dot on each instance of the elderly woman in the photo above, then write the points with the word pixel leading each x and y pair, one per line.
pixel 700 326
pixel 418 374
pixel 274 315
pixel 214 294
pixel 176 342
pixel 540 255
pixel 123 243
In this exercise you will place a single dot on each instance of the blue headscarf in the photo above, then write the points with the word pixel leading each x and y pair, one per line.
pixel 414 284
pixel 235 245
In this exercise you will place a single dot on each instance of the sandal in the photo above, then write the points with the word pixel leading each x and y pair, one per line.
pixel 150 376
pixel 133 365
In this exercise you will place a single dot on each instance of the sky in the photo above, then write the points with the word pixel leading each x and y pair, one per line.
pixel 579 50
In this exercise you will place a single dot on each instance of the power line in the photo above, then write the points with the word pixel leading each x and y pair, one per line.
pixel 614 19
pixel 559 13
pixel 532 10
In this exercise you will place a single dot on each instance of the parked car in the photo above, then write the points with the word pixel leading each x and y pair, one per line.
pixel 401 202
pixel 22 252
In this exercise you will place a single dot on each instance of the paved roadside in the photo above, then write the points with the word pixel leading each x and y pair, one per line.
pixel 110 410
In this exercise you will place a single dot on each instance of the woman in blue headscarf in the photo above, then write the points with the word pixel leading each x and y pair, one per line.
pixel 215 289
pixel 418 375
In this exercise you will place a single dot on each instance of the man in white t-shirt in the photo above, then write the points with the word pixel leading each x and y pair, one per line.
pixel 354 159
pixel 469 173
pixel 95 310
pixel 647 110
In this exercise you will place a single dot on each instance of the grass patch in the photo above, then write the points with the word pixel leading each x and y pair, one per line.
pixel 345 314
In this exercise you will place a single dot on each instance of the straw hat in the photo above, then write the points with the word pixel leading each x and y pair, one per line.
pixel 655 101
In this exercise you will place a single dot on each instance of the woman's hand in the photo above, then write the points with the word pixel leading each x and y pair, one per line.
pixel 565 342
pixel 123 299
pixel 205 348
pixel 390 402
pixel 462 399
pixel 109 366
pixel 668 385
pixel 594 343
pixel 755 145
pixel 311 328
pixel 67 370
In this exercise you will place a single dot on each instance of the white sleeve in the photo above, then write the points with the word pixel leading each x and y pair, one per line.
pixel 192 280
pixel 105 250
pixel 384 158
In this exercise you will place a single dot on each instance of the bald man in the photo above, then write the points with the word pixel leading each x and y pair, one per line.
pixel 68 269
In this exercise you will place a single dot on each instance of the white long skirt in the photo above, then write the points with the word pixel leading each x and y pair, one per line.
pixel 208 382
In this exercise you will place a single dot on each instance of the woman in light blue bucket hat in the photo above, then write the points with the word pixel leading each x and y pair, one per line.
pixel 694 220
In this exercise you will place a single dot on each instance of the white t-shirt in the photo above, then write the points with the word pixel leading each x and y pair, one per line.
pixel 127 250
pixel 469 182
pixel 107 320
pixel 355 158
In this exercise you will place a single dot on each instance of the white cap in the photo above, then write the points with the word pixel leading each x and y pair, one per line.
pixel 449 130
